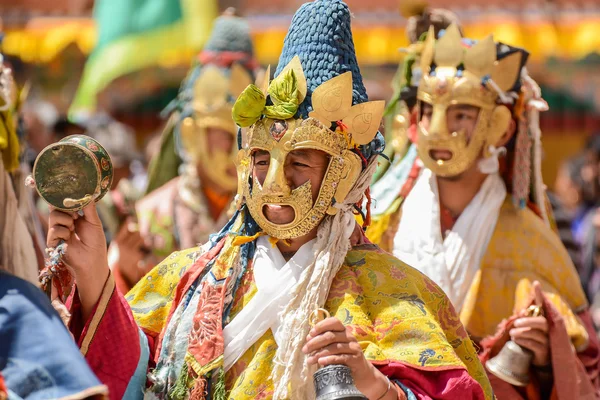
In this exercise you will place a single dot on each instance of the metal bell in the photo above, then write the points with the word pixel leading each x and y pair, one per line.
pixel 335 382
pixel 511 364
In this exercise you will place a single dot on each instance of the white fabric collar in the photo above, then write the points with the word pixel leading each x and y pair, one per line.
pixel 275 281
pixel 451 262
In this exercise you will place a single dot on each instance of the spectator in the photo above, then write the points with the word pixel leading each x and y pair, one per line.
pixel 563 226
pixel 38 358
pixel 569 185
pixel 39 118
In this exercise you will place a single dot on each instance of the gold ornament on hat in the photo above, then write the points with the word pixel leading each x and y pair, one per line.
pixel 269 131
pixel 212 104
pixel 481 82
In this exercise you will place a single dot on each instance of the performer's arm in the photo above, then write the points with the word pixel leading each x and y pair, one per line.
pixel 116 349
pixel 102 322
pixel 570 346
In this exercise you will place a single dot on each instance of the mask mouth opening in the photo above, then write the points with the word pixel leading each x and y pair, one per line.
pixel 279 214
pixel 441 156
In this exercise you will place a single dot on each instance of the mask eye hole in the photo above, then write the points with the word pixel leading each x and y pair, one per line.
pixel 426 110
pixel 261 159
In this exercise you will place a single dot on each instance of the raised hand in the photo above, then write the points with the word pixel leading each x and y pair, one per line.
pixel 532 332
pixel 86 251
pixel 128 253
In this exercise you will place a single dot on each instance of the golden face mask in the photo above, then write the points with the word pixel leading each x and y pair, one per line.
pixel 332 101
pixel 212 109
pixel 478 82
pixel 215 163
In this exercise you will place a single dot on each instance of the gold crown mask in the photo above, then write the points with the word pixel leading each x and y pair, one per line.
pixel 274 129
pixel 470 76
pixel 212 103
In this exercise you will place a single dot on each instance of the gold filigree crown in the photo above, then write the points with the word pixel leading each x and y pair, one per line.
pixel 460 75
pixel 215 93
pixel 331 103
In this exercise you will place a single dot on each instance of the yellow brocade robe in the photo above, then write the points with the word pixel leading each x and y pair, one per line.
pixel 396 313
pixel 521 250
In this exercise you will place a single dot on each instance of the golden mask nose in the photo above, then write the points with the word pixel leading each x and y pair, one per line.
pixel 438 127
pixel 275 183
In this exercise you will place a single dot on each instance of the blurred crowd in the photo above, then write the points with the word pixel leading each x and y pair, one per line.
pixel 576 204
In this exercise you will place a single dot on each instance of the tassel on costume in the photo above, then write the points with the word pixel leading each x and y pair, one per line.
pixel 198 392
pixel 181 387
pixel 219 392
pixel 522 165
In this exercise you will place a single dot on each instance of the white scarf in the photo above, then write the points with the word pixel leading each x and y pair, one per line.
pixel 275 280
pixel 451 262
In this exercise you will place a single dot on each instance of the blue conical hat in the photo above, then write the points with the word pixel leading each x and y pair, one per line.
pixel 229 43
pixel 230 33
pixel 320 35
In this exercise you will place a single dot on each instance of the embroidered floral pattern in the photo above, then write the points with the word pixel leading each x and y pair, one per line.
pixel 206 322
pixel 397 273
pixel 150 303
pixel 206 337
pixel 393 317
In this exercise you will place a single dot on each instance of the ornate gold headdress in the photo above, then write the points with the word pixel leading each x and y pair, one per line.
pixel 466 75
pixel 454 73
pixel 420 17
pixel 273 128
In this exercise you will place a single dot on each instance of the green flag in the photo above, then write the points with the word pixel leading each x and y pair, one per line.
pixel 134 34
